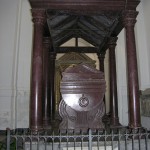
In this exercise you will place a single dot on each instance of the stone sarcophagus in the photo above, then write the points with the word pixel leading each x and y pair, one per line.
pixel 82 88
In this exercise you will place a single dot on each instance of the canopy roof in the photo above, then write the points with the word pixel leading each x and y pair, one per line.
pixel 93 20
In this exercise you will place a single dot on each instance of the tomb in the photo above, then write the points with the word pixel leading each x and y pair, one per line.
pixel 82 88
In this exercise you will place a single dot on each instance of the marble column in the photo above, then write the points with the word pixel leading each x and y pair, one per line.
pixel 52 82
pixel 114 119
pixel 129 20
pixel 36 121
pixel 46 82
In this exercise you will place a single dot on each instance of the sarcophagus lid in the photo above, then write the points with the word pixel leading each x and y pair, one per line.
pixel 82 87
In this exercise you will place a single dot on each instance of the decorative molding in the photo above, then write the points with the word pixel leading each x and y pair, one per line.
pixel 76 49
pixel 112 41
pixel 129 18
pixel 84 6
pixel 83 101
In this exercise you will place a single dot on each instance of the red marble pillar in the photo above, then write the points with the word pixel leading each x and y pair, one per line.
pixel 36 121
pixel 46 82
pixel 114 119
pixel 129 20
pixel 52 86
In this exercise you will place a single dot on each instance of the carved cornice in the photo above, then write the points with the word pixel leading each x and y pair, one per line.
pixel 82 5
pixel 129 17
pixel 39 16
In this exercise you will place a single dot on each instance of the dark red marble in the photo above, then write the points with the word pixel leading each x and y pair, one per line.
pixel 81 7
pixel 114 119
pixel 85 5
pixel 52 82
pixel 82 89
pixel 46 82
pixel 129 20
pixel 36 121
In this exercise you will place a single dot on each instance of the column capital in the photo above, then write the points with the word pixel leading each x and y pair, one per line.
pixel 112 41
pixel 39 16
pixel 101 55
pixel 129 17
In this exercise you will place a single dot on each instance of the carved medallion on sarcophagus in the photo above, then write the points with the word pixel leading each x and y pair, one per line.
pixel 82 88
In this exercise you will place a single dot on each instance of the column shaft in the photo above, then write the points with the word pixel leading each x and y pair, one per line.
pixel 37 70
pixel 133 85
pixel 114 120
pixel 101 58
pixel 46 82
pixel 52 87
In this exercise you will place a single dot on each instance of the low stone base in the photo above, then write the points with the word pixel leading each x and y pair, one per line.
pixel 63 146
pixel 84 146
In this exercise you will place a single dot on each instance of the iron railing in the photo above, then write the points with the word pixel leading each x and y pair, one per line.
pixel 111 139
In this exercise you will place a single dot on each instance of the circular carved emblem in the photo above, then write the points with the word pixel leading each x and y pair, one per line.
pixel 83 101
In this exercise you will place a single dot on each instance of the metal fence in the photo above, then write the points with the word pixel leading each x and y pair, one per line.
pixel 111 139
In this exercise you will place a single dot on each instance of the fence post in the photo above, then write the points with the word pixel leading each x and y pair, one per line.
pixel 8 139
pixel 90 139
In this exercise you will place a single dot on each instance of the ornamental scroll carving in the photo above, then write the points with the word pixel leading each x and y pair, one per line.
pixel 82 88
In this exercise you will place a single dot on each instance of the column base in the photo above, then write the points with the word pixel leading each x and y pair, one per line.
pixel 36 129
pixel 106 119
pixel 46 124
pixel 135 126
pixel 55 124
pixel 114 123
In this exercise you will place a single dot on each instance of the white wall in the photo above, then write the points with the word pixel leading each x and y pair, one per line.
pixel 23 67
pixel 15 60
pixel 146 11
pixel 146 22
pixel 8 31
pixel 15 48
pixel 121 78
